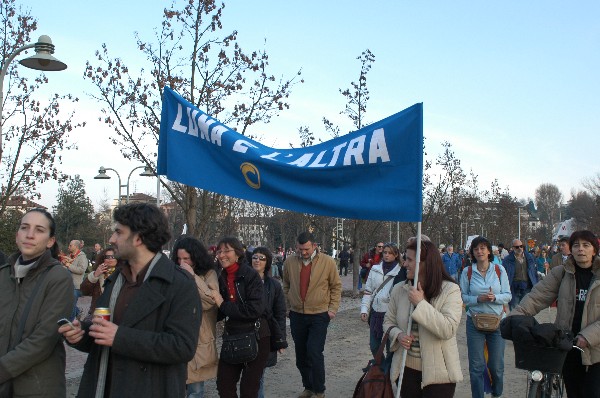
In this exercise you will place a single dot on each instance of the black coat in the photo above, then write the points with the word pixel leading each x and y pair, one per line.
pixel 276 313
pixel 249 305
pixel 155 341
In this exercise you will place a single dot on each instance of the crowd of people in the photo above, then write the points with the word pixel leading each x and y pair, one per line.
pixel 160 335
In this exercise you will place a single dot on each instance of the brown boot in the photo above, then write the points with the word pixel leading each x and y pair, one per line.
pixel 306 394
pixel 320 395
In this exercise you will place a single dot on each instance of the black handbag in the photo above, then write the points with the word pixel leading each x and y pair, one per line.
pixel 240 348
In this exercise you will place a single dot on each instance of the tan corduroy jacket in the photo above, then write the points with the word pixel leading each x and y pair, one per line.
pixel 438 324
pixel 324 288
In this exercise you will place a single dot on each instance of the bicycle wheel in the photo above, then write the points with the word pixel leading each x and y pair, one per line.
pixel 552 386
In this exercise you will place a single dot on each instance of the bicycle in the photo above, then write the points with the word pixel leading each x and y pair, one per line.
pixel 544 368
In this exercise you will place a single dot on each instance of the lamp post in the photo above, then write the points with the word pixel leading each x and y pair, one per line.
pixel 103 176
pixel 461 234
pixel 41 60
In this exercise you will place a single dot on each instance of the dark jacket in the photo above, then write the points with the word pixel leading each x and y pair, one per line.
pixel 37 364
pixel 249 305
pixel 276 313
pixel 155 340
pixel 509 264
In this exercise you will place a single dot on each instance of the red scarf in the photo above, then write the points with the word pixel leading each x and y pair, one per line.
pixel 231 273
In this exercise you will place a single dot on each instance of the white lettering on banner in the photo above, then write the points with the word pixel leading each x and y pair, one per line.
pixel 378 147
pixel 242 146
pixel 355 150
pixel 177 126
pixel 200 125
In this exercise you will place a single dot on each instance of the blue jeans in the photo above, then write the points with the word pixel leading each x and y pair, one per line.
pixel 195 390
pixel 374 344
pixel 518 293
pixel 495 344
pixel 76 295
pixel 309 332
pixel 261 390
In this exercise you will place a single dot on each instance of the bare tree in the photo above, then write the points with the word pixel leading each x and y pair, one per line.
pixel 211 70
pixel 34 132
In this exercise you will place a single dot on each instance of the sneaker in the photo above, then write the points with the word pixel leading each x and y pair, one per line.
pixel 306 394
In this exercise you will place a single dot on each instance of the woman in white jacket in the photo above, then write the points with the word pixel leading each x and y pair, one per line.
pixel 382 278
pixel 432 363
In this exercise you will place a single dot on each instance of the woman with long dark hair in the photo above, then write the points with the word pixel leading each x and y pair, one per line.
pixel 32 353
pixel 191 255
pixel 485 290
pixel 240 299
pixel 432 366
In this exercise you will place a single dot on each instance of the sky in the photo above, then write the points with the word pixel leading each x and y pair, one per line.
pixel 514 86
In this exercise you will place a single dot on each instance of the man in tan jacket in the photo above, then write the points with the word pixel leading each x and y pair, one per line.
pixel 313 291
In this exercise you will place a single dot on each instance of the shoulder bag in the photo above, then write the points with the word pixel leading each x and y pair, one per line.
pixel 389 278
pixel 375 383
pixel 240 347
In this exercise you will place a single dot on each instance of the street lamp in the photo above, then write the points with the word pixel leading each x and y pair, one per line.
pixel 42 60
pixel 103 176
pixel 461 234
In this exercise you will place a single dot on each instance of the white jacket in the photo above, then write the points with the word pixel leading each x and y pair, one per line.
pixel 438 324
pixel 376 278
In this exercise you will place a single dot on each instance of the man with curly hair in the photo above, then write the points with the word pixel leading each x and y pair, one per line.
pixel 144 348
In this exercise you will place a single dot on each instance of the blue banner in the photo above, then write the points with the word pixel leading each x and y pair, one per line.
pixel 374 173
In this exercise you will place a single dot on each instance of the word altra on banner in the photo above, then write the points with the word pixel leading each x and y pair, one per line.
pixel 352 152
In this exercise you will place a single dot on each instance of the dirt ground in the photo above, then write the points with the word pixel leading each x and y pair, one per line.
pixel 347 352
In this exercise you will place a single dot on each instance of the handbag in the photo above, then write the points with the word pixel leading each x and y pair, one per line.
pixel 375 383
pixel 389 278
pixel 240 348
pixel 486 322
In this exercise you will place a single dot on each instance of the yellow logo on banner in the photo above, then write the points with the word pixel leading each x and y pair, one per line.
pixel 251 175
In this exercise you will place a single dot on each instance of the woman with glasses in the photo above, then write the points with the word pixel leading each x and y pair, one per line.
pixel 485 289
pixel 432 363
pixel 382 278
pixel 275 310
pixel 93 285
pixel 576 285
pixel 191 255
pixel 240 299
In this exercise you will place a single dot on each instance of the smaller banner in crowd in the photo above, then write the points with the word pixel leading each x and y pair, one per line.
pixel 374 173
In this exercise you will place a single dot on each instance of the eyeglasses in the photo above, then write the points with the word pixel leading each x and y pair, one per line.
pixel 109 257
pixel 261 258
pixel 518 247
pixel 379 246
pixel 219 252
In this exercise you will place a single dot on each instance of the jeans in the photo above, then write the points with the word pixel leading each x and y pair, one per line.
pixel 495 345
pixel 195 390
pixel 275 271
pixel 261 389
pixel 76 295
pixel 517 294
pixel 309 332
pixel 374 344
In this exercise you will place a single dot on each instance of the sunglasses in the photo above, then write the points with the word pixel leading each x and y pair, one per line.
pixel 518 247
pixel 109 257
pixel 379 246
pixel 261 258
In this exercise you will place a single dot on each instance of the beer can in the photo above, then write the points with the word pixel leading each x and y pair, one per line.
pixel 102 312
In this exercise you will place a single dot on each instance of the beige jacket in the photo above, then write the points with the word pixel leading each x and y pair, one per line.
pixel 438 324
pixel 324 288
pixel 204 364
pixel 560 284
